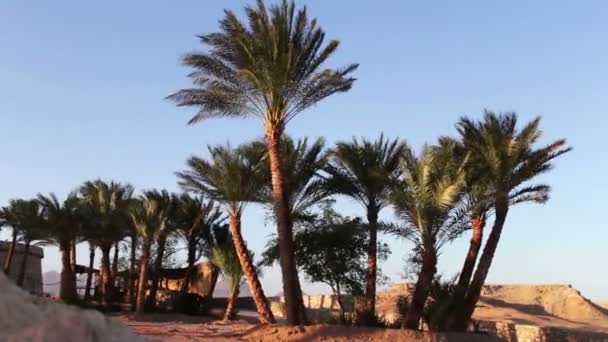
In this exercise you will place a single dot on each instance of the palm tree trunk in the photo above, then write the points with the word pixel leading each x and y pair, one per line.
pixel 115 261
pixel 478 222
pixel 130 297
pixel 106 276
pixel 340 304
pixel 294 305
pixel 158 265
pixel 215 273
pixel 67 289
pixel 263 308
pixel 73 255
pixel 372 263
pixel 229 313
pixel 143 278
pixel 189 270
pixel 87 290
pixel 26 253
pixel 11 253
pixel 423 285
pixel 483 268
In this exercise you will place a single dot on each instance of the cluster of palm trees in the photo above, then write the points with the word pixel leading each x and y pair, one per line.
pixel 104 214
pixel 271 68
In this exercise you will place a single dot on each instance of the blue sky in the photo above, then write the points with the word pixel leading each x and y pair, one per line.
pixel 82 87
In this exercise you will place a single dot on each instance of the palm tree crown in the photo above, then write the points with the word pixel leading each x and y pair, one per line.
pixel 270 68
pixel 231 177
pixel 26 217
pixel 365 170
pixel 506 157
pixel 63 220
pixel 149 215
pixel 430 188
pixel 106 206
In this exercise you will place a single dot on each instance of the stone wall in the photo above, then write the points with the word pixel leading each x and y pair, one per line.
pixel 33 271
pixel 318 306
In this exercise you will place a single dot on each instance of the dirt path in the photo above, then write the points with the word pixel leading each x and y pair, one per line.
pixel 178 328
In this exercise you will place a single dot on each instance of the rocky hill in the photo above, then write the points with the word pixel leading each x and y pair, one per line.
pixel 560 306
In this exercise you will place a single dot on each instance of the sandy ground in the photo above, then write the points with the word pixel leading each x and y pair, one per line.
pixel 539 305
pixel 178 328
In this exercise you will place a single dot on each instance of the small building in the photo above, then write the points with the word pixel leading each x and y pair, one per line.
pixel 33 269
pixel 202 281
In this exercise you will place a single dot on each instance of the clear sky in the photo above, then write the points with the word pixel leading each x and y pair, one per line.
pixel 82 86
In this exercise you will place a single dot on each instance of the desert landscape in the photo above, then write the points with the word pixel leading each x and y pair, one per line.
pixel 401 171
pixel 531 311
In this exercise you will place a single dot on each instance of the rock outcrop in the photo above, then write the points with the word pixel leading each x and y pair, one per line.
pixel 27 318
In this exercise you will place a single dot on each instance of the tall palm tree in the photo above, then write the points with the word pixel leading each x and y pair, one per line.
pixel 105 205
pixel 224 257
pixel 366 171
pixel 232 178
pixel 62 222
pixel 149 216
pixel 429 191
pixel 196 220
pixel 270 68
pixel 507 157
pixel 478 205
pixel 304 188
pixel 168 201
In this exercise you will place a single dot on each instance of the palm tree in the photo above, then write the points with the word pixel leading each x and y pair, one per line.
pixel 168 201
pixel 507 158
pixel 224 257
pixel 429 190
pixel 231 178
pixel 270 69
pixel 27 218
pixel 366 171
pixel 63 222
pixel 304 188
pixel 7 219
pixel 477 202
pixel 149 216
pixel 105 206
pixel 196 221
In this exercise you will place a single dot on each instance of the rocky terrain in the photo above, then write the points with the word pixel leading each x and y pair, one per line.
pixel 538 305
pixel 27 318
